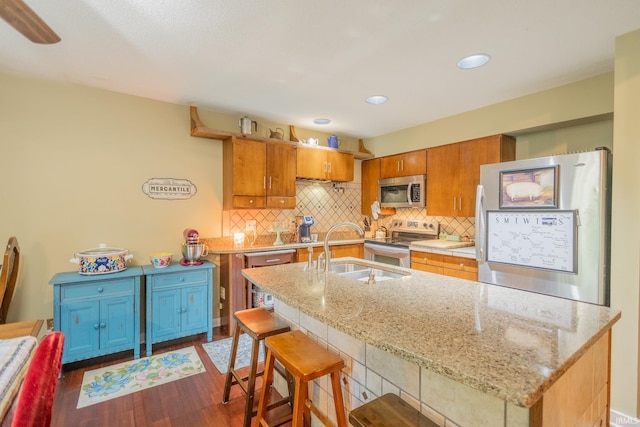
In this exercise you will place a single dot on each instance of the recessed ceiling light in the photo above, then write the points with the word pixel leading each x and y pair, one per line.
pixel 321 121
pixel 376 99
pixel 473 61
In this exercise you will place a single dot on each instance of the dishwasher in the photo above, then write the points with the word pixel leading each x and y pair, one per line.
pixel 254 296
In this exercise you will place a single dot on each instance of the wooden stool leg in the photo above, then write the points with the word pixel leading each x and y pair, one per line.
pixel 341 418
pixel 232 362
pixel 251 386
pixel 301 394
pixel 267 380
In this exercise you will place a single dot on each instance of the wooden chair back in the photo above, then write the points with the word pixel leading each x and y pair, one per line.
pixel 8 276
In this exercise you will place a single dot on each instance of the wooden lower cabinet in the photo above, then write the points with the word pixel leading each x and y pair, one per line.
pixel 454 266
pixel 355 250
pixel 581 396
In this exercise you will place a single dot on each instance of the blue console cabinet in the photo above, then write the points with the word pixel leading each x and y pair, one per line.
pixel 98 314
pixel 179 302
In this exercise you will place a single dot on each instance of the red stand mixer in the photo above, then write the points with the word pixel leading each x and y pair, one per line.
pixel 192 249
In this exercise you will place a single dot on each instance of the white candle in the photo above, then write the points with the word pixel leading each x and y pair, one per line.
pixel 238 240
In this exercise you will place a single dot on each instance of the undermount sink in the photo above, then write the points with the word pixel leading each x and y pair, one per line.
pixel 364 273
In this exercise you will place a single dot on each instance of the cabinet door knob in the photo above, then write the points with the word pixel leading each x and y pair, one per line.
pixel 100 290
pixel 282 201
pixel 103 325
pixel 251 201
pixel 96 326
pixel 462 265
pixel 181 279
pixel 179 310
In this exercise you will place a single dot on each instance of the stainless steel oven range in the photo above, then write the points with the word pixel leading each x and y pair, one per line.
pixel 394 250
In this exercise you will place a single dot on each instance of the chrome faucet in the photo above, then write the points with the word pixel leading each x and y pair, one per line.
pixel 310 261
pixel 327 255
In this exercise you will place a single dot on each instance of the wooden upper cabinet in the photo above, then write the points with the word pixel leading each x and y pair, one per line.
pixel 340 166
pixel 281 176
pixel 258 174
pixel 405 164
pixel 442 180
pixel 324 163
pixel 370 173
pixel 454 173
pixel 248 167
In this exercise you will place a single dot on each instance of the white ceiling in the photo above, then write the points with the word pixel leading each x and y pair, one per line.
pixel 291 61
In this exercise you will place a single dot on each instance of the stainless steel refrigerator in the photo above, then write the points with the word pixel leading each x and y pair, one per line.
pixel 543 225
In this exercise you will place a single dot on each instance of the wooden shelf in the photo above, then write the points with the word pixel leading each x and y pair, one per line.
pixel 198 129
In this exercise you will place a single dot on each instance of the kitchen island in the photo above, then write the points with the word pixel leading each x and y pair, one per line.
pixel 466 352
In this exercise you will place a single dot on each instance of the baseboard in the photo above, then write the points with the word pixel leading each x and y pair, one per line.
pixel 618 419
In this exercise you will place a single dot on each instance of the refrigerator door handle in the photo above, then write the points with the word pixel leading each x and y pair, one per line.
pixel 481 226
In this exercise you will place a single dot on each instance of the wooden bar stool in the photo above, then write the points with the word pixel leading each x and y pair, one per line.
pixel 257 323
pixel 388 411
pixel 305 361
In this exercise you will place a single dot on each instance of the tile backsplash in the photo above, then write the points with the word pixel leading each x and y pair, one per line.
pixel 329 203
pixel 460 226
pixel 326 202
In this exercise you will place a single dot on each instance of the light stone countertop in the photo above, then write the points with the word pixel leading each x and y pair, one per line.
pixel 226 246
pixel 466 252
pixel 507 343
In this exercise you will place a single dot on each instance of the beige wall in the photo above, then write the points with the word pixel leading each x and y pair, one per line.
pixel 587 98
pixel 565 140
pixel 625 228
pixel 73 161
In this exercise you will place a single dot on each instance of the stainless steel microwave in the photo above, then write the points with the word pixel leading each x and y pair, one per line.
pixel 403 192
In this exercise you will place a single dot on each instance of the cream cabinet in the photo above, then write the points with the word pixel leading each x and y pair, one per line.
pixel 404 164
pixel 454 173
pixel 324 163
pixel 258 175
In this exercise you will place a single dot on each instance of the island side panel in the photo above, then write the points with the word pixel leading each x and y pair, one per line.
pixel 370 372
pixel 580 396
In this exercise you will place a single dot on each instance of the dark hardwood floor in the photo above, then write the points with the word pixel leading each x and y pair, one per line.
pixel 193 401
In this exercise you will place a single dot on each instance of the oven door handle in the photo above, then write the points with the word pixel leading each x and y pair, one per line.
pixel 386 250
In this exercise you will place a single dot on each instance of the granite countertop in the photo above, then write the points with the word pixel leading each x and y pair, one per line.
pixel 226 246
pixel 466 252
pixel 507 343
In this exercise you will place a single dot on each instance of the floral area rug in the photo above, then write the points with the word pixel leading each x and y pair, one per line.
pixel 220 351
pixel 107 383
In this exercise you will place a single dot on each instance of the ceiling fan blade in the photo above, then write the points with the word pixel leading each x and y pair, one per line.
pixel 26 21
